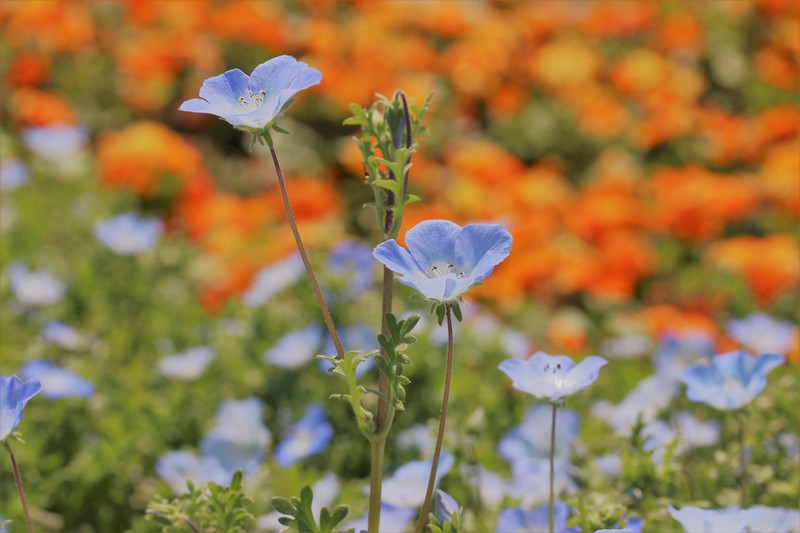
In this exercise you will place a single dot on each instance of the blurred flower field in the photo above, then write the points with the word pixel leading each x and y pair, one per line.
pixel 643 155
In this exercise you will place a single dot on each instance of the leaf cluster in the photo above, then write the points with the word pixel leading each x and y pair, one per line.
pixel 210 509
pixel 394 347
pixel 449 526
pixel 346 368
pixel 300 516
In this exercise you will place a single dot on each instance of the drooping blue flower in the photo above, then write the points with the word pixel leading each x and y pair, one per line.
pixel 296 348
pixel 444 507
pixel 13 174
pixel 730 520
pixel 763 334
pixel 188 365
pixel 239 439
pixel 552 377
pixel 351 268
pixel 253 102
pixel 519 520
pixel 178 467
pixel 730 380
pixel 55 141
pixel 680 350
pixel 35 288
pixel 531 438
pixel 444 260
pixel 272 279
pixel 56 382
pixel 308 437
pixel 128 233
pixel 14 394
pixel 63 335
pixel 407 486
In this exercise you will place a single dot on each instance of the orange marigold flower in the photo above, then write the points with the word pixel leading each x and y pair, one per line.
pixel 32 107
pixel 663 319
pixel 770 265
pixel 565 62
pixel 779 177
pixel 28 69
pixel 485 162
pixel 618 18
pixel 140 156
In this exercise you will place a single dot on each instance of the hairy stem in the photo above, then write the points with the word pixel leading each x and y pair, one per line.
pixel 312 279
pixel 552 468
pixel 377 446
pixel 18 481
pixel 423 514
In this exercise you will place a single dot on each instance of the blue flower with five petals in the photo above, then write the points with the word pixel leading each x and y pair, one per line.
pixel 14 394
pixel 730 380
pixel 444 260
pixel 552 377
pixel 253 102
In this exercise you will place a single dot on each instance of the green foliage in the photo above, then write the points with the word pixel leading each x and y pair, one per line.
pixel 449 526
pixel 346 368
pixel 395 346
pixel 210 509
pixel 300 516
pixel 387 142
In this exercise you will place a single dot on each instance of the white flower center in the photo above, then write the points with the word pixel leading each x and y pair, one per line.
pixel 554 375
pixel 443 269
pixel 252 100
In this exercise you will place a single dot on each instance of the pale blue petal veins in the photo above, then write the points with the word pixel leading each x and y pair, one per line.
pixel 432 243
pixel 480 247
pixel 397 259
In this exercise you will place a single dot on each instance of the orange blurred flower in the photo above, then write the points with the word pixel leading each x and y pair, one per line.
pixel 770 265
pixel 28 69
pixel 779 177
pixel 32 107
pixel 565 62
pixel 618 18
pixel 48 25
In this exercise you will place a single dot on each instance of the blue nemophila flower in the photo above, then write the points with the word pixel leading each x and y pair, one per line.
pixel 239 438
pixel 56 382
pixel 179 466
pixel 406 487
pixel 529 479
pixel 763 334
pixel 552 377
pixel 531 438
pixel 651 396
pixel 444 260
pixel 35 288
pixel 350 269
pixel 253 102
pixel 308 437
pixel 444 507
pixel 272 279
pixel 730 380
pixel 62 334
pixel 13 174
pixel 56 141
pixel 14 394
pixel 392 519
pixel 775 519
pixel 188 365
pixel 490 486
pixel 296 348
pixel 128 233
pixel 519 520
pixel 730 520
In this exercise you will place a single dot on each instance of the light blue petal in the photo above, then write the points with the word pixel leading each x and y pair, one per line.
pixel 765 363
pixel 283 73
pixel 14 395
pixel 732 365
pixel 223 91
pixel 480 247
pixel 432 242
pixel 198 105
pixel 584 374
pixel 519 371
pixel 397 259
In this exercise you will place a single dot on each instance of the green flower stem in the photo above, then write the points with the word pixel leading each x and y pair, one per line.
pixel 383 380
pixel 190 524
pixel 18 481
pixel 312 279
pixel 552 467
pixel 423 513
pixel 742 460
pixel 377 446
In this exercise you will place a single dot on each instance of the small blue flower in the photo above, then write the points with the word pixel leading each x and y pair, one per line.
pixel 308 437
pixel 351 268
pixel 295 348
pixel 178 467
pixel 239 439
pixel 444 260
pixel 490 486
pixel 731 520
pixel 392 519
pixel 407 486
pixel 62 334
pixel 253 102
pixel 519 520
pixel 272 279
pixel 763 334
pixel 129 234
pixel 730 380
pixel 56 141
pixel 679 351
pixel 444 507
pixel 13 174
pixel 529 479
pixel 35 289
pixel 14 394
pixel 651 396
pixel 552 377
pixel 775 519
pixel 56 382
pixel 188 365
pixel 531 438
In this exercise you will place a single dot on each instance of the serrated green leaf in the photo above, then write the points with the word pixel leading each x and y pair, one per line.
pixel 282 505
